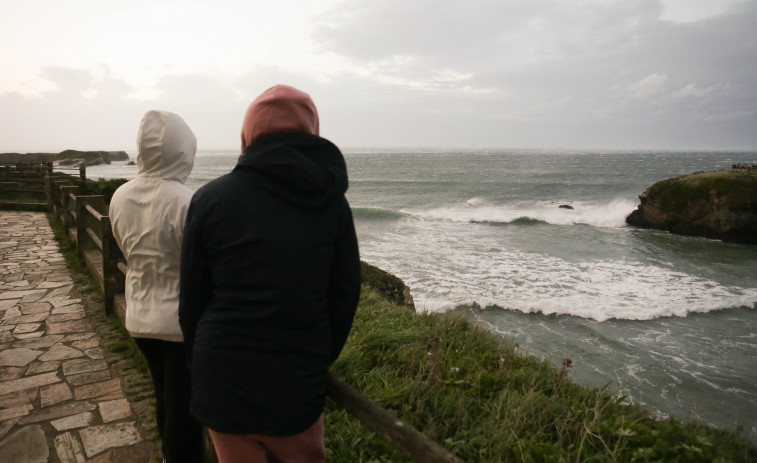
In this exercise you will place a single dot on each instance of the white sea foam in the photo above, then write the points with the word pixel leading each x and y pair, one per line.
pixel 607 215
pixel 444 271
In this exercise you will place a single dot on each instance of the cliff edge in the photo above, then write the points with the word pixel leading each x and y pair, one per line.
pixel 720 205
pixel 67 157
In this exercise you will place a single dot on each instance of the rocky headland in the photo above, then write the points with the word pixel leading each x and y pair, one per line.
pixel 720 205
pixel 67 157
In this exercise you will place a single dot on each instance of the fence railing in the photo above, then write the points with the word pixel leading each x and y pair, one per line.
pixel 22 186
pixel 86 221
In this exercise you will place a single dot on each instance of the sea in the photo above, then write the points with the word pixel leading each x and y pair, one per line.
pixel 533 246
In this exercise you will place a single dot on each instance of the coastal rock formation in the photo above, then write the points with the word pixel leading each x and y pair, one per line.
pixel 67 157
pixel 390 286
pixel 720 205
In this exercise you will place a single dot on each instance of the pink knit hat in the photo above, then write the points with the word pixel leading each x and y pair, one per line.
pixel 279 109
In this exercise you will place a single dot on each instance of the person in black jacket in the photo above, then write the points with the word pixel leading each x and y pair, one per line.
pixel 270 280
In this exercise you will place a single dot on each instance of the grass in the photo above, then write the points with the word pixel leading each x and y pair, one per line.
pixel 485 402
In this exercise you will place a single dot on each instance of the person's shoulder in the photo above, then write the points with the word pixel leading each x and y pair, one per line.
pixel 213 187
pixel 123 191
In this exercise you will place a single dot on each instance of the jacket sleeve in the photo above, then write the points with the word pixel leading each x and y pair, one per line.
pixel 344 289
pixel 195 285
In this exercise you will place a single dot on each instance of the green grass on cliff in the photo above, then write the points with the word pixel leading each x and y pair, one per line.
pixel 738 189
pixel 485 402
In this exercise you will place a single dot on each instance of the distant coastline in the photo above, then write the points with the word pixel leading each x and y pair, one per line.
pixel 67 157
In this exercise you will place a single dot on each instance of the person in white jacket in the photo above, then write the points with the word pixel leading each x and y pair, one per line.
pixel 147 214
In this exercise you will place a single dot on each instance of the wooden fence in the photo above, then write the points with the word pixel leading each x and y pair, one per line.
pixel 86 221
pixel 22 186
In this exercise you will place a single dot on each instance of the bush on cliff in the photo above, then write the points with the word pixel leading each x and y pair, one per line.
pixel 102 187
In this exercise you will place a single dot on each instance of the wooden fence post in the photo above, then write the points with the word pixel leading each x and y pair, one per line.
pixel 113 277
pixel 88 225
pixel 84 241
pixel 49 192
pixel 67 205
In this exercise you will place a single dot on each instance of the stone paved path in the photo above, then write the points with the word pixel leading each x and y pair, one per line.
pixel 64 397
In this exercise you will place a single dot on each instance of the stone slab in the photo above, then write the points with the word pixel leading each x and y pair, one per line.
pixel 69 449
pixel 24 328
pixel 28 308
pixel 7 304
pixel 59 318
pixel 102 389
pixel 42 367
pixel 31 318
pixel 23 294
pixel 76 367
pixel 7 425
pixel 134 453
pixel 18 357
pixel 54 394
pixel 15 412
pixel 76 326
pixel 13 312
pixel 74 421
pixel 97 439
pixel 14 399
pixel 6 374
pixel 60 352
pixel 35 334
pixel 27 445
pixel 59 292
pixel 88 378
pixel 51 284
pixel 43 342
pixel 95 353
pixel 114 410
pixel 78 337
pixel 59 411
pixel 86 343
pixel 28 382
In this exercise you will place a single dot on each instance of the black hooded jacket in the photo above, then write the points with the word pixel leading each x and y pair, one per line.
pixel 270 280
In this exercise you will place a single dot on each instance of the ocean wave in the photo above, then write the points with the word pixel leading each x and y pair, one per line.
pixel 371 213
pixel 591 310
pixel 610 214
pixel 615 288
pixel 519 221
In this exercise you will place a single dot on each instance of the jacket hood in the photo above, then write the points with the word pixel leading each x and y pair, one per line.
pixel 166 146
pixel 299 167
pixel 279 109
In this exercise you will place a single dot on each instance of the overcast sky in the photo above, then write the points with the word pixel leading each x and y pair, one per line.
pixel 598 74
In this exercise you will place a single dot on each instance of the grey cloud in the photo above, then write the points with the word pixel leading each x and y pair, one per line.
pixel 596 73
pixel 89 112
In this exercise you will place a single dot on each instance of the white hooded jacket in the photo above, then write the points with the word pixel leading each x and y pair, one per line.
pixel 147 214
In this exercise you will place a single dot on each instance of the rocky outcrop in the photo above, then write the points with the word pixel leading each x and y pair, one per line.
pixel 720 205
pixel 67 157
pixel 390 286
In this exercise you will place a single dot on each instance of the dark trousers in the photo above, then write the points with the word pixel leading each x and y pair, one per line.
pixel 182 435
